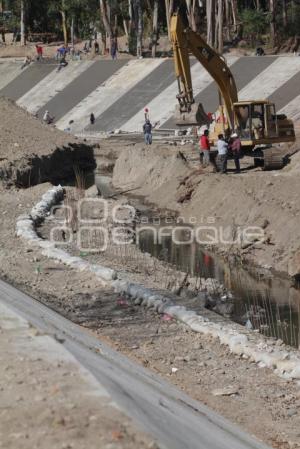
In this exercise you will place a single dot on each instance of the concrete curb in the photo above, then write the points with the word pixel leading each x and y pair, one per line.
pixel 26 229
pixel 284 362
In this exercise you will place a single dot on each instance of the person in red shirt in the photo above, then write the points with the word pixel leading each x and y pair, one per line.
pixel 210 117
pixel 39 51
pixel 205 148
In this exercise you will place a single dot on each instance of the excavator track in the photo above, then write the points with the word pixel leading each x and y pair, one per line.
pixel 274 159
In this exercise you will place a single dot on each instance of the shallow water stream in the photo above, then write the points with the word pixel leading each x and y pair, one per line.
pixel 262 301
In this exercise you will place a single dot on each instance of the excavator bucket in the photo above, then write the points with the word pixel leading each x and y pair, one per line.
pixel 196 117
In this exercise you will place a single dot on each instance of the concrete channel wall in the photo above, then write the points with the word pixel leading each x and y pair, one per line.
pixel 117 92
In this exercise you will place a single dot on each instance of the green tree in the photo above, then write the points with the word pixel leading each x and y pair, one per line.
pixel 254 24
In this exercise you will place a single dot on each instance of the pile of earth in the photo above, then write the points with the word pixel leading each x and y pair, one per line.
pixel 32 152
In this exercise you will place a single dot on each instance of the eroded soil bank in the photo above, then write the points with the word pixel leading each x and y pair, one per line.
pixel 222 207
pixel 32 153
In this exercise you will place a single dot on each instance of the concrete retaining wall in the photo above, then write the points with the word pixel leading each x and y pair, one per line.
pixel 118 91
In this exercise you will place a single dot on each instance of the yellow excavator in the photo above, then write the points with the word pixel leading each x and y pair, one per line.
pixel 255 121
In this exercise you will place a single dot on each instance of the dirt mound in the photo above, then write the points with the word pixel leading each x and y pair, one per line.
pixel 24 135
pixel 32 152
pixel 156 170
pixel 232 203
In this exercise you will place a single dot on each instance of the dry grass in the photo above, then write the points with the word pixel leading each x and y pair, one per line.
pixel 73 196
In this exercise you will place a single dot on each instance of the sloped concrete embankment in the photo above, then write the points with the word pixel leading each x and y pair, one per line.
pixel 118 91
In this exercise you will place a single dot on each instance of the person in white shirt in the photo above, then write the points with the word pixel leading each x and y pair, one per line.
pixel 222 146
pixel 48 119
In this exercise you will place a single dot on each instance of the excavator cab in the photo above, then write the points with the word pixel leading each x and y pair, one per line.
pixel 257 123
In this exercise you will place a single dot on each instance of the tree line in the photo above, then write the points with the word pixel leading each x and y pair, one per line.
pixel 275 23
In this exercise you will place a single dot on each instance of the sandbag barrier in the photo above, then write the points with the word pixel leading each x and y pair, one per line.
pixel 26 229
pixel 284 361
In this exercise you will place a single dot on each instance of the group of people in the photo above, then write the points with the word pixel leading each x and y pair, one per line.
pixel 64 50
pixel 94 44
pixel 88 46
pixel 224 147
pixel 61 54
pixel 48 119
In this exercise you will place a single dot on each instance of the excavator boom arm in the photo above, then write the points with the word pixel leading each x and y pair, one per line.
pixel 185 41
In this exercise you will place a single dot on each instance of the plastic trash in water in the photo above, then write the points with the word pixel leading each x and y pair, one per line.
pixel 122 301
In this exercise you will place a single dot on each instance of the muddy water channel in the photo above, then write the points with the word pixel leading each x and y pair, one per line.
pixel 261 301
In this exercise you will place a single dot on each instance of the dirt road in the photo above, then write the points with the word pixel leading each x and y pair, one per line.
pixel 173 418
pixel 49 400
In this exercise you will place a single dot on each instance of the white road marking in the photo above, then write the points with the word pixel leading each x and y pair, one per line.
pixel 51 85
pixel 108 93
pixel 162 107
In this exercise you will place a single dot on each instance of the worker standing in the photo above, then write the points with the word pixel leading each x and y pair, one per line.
pixel 147 128
pixel 39 52
pixel 114 49
pixel 235 147
pixel 96 47
pixel 47 118
pixel 92 119
pixel 222 153
pixel 205 148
